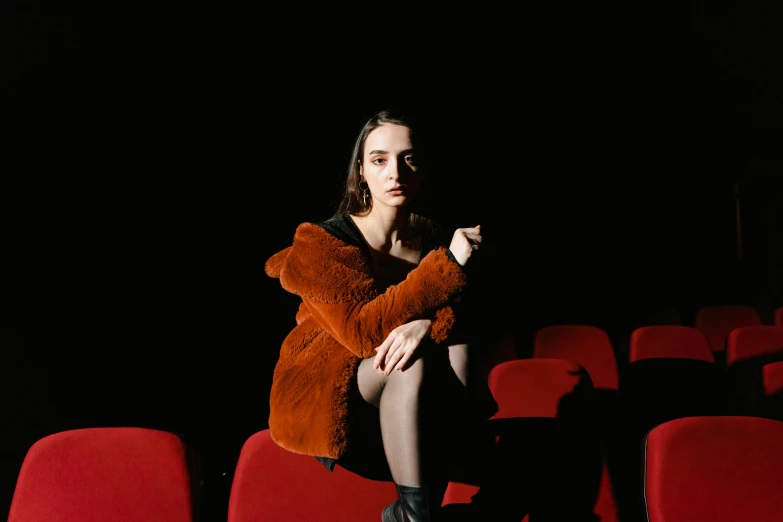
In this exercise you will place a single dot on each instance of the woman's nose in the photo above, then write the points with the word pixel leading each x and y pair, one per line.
pixel 393 171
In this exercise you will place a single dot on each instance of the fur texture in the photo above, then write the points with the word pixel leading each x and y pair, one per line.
pixel 343 317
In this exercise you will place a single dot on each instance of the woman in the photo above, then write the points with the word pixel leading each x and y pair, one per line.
pixel 380 347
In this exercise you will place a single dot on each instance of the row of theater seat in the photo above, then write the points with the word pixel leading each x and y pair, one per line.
pixel 577 436
pixel 670 372
pixel 591 347
pixel 627 467
pixel 708 338
pixel 541 465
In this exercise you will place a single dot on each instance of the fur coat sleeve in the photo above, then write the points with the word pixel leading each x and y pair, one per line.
pixel 335 283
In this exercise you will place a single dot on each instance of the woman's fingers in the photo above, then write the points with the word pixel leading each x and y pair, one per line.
pixel 403 362
pixel 392 360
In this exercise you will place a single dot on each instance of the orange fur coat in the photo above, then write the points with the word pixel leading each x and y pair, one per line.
pixel 342 318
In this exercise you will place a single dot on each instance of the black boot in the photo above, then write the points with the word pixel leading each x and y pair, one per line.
pixel 393 512
pixel 414 505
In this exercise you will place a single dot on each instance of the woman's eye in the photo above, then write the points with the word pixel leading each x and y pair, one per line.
pixel 378 161
pixel 410 160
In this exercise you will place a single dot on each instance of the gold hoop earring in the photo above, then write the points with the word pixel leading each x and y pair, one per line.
pixel 364 188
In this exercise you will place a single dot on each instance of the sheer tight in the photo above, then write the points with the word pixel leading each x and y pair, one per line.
pixel 417 410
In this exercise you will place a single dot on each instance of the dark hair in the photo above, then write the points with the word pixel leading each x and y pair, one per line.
pixel 352 201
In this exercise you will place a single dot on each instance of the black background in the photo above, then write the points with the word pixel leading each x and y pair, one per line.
pixel 159 155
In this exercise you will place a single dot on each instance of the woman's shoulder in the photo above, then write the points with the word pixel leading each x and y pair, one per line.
pixel 316 262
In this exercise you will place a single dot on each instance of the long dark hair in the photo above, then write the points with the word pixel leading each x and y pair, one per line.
pixel 353 201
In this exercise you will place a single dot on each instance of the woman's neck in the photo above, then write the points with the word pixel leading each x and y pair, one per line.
pixel 386 226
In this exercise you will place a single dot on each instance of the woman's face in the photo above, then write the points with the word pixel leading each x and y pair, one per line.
pixel 388 165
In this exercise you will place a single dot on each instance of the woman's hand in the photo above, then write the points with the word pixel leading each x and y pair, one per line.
pixel 464 242
pixel 402 342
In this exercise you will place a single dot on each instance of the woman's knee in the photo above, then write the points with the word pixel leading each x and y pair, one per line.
pixel 428 374
pixel 413 374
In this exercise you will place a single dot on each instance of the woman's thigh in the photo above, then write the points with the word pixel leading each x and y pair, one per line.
pixel 365 455
pixel 459 360
pixel 433 366
pixel 370 382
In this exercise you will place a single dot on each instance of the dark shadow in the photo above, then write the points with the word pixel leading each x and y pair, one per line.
pixel 653 391
pixel 547 468
pixel 608 424
pixel 720 358
pixel 605 409
pixel 27 405
pixel 195 463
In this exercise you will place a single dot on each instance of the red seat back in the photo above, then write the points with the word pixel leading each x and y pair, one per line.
pixel 772 394
pixel 534 387
pixel 101 474
pixel 272 484
pixel 587 346
pixel 504 349
pixel 753 342
pixel 749 348
pixel 672 341
pixel 715 468
pixel 772 378
pixel 716 322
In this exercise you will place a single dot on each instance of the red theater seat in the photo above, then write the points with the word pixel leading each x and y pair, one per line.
pixel 587 346
pixel 105 474
pixel 772 384
pixel 545 419
pixel 716 469
pixel 716 322
pixel 272 484
pixel 753 342
pixel 504 349
pixel 749 348
pixel 672 341
pixel 671 374
pixel 534 387
pixel 778 317
pixel 772 378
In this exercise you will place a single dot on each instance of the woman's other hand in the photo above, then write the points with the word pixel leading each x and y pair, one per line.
pixel 464 242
